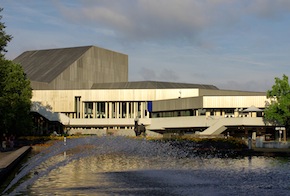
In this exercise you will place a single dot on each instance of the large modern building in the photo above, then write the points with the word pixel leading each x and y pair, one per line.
pixel 87 90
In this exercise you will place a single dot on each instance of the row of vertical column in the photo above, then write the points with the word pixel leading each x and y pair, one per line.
pixel 112 109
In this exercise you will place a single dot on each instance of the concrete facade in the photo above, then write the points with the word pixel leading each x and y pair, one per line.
pixel 73 68
pixel 93 95
pixel 118 109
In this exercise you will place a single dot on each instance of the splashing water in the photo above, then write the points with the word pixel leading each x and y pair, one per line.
pixel 120 165
pixel 49 160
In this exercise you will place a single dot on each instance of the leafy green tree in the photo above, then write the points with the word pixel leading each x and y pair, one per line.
pixel 15 93
pixel 277 111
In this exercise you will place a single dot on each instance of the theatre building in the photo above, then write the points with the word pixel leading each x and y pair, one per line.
pixel 86 89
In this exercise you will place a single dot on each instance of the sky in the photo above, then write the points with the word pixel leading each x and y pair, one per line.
pixel 232 44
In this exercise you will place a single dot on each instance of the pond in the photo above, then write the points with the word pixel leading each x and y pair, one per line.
pixel 126 166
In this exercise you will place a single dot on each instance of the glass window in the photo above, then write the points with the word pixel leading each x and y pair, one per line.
pixel 124 109
pixel 100 113
pixel 88 109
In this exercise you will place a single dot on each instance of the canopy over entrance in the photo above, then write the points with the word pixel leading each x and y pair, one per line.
pixel 253 109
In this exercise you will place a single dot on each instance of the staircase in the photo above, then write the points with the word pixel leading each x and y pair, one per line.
pixel 48 114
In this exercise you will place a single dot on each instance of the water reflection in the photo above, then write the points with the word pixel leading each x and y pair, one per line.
pixel 122 166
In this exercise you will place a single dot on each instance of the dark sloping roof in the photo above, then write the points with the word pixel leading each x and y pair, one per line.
pixel 149 85
pixel 46 65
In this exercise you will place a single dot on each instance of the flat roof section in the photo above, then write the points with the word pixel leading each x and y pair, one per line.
pixel 150 85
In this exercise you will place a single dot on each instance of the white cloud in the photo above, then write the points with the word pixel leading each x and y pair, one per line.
pixel 153 20
pixel 194 41
pixel 144 20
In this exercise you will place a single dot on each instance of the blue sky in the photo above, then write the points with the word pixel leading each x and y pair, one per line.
pixel 233 44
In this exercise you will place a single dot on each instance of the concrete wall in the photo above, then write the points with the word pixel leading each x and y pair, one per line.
pixel 211 92
pixel 163 99
pixel 63 100
pixel 234 101
pixel 178 104
pixel 97 65
pixel 209 102
pixel 39 85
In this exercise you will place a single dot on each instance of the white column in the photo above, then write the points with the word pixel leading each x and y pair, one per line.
pixel 132 110
pixel 142 109
pixel 82 109
pixel 127 109
pixel 106 109
pixel 110 110
pixel 93 111
pixel 135 109
pixel 117 111
pixel 78 108
pixel 96 109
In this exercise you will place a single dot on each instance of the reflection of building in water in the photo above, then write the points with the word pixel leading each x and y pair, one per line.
pixel 104 163
pixel 89 87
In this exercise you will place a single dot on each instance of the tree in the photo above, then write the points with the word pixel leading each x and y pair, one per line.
pixel 277 110
pixel 15 92
pixel 4 38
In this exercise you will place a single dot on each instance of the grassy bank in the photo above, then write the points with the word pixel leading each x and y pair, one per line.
pixel 220 147
pixel 220 143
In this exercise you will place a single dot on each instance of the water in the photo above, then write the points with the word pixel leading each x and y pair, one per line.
pixel 124 166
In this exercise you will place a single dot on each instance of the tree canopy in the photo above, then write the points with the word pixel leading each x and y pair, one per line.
pixel 277 110
pixel 15 92
pixel 4 38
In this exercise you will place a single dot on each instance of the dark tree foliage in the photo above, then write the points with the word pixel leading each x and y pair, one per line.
pixel 4 38
pixel 15 93
pixel 277 111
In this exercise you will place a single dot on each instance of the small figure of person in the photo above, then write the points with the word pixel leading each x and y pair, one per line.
pixel 4 141
pixel 11 141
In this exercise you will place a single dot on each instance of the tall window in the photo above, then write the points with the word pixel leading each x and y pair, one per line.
pixel 77 106
pixel 124 109
pixel 131 109
pixel 88 109
pixel 100 113
pixel 113 112
pixel 139 109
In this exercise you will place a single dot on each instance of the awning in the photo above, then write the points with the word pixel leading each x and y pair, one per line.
pixel 253 109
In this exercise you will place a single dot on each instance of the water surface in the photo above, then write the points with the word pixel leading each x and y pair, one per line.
pixel 124 166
